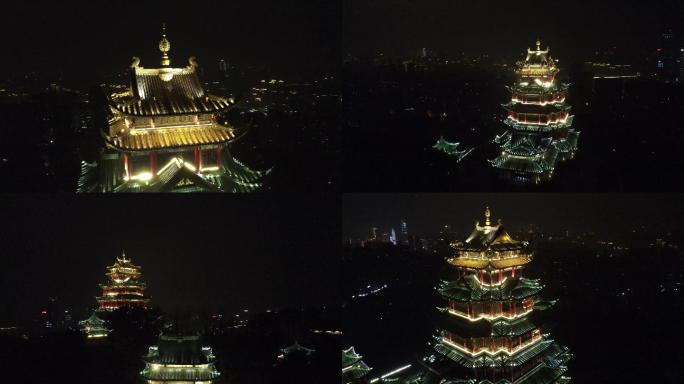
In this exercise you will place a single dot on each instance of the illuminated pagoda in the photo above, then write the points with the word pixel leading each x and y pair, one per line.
pixel 451 149
pixel 124 288
pixel 485 333
pixel 353 367
pixel 179 359
pixel 166 134
pixel 539 124
pixel 94 327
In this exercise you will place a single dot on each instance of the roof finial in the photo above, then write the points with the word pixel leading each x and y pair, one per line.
pixel 165 47
pixel 538 44
pixel 487 216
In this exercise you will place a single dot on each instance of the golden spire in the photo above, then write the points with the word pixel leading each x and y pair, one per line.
pixel 487 216
pixel 538 44
pixel 165 47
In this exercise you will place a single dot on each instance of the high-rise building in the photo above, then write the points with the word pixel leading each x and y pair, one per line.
pixel 166 134
pixel 124 288
pixel 666 68
pixel 223 66
pixel 485 334
pixel 179 359
pixel 393 237
pixel 681 66
pixel 538 119
pixel 404 228
pixel 353 367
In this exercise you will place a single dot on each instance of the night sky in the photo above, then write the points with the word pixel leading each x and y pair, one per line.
pixel 226 253
pixel 606 214
pixel 88 40
pixel 504 28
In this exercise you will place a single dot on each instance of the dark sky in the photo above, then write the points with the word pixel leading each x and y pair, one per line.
pixel 608 214
pixel 504 28
pixel 90 39
pixel 218 252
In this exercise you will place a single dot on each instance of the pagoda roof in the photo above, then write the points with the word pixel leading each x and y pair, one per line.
pixel 349 357
pixel 569 143
pixel 355 371
pixel 478 329
pixel 296 347
pixel 488 237
pixel 191 375
pixel 536 109
pixel 526 160
pixel 539 57
pixel 190 135
pixel 93 319
pixel 175 177
pixel 535 89
pixel 123 262
pixel 469 289
pixel 178 350
pixel 166 90
pixel 500 359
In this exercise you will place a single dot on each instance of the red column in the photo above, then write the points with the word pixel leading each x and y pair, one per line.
pixel 153 163
pixel 198 159
pixel 513 272
pixel 219 152
pixel 500 276
pixel 127 166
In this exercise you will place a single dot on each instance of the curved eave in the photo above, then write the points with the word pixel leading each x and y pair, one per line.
pixel 484 264
pixel 227 136
pixel 120 106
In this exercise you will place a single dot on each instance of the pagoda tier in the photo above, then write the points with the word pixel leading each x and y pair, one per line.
pixel 123 290
pixel 166 134
pixel 485 332
pixel 353 367
pixel 539 123
pixel 179 359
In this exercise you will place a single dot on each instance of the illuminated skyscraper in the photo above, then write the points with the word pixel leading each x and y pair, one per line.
pixel 124 288
pixel 539 122
pixel 485 334
pixel 166 134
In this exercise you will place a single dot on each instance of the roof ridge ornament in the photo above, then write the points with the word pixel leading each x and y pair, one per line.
pixel 488 215
pixel 165 47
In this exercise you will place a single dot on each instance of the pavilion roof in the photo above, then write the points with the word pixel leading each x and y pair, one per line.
pixel 93 319
pixel 166 90
pixel 488 237
pixel 176 176
pixel 178 350
pixel 349 357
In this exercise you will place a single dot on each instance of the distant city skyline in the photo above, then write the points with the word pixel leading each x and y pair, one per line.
pixel 572 29
pixel 85 42
pixel 425 214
